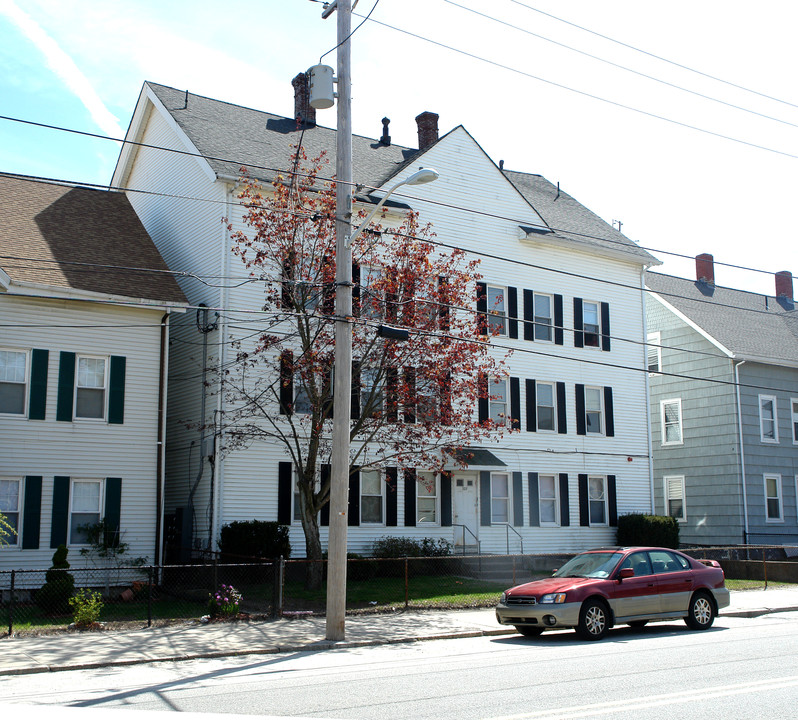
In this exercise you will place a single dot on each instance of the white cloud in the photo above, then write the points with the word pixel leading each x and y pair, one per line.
pixel 64 67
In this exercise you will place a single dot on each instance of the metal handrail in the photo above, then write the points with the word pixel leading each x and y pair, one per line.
pixel 467 530
pixel 507 528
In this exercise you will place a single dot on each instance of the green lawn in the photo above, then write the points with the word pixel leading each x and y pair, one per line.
pixel 755 584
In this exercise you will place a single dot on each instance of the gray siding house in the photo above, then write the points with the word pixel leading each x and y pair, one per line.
pixel 723 375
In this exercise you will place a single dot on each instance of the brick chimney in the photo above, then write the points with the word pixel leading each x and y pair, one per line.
pixel 427 129
pixel 705 268
pixel 303 112
pixel 784 285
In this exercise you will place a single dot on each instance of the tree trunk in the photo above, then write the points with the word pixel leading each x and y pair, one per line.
pixel 310 526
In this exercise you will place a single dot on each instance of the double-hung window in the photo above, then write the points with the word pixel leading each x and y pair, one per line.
pixel 371 498
pixel 497 310
pixel 90 388
pixel 372 294
pixel 594 412
pixel 548 499
pixel 426 498
pixel 768 422
pixel 84 509
pixel 654 352
pixel 544 322
pixel 591 324
pixel 427 398
pixel 370 391
pixel 500 497
pixel 597 499
pixel 13 381
pixel 671 419
pixel 9 506
pixel 794 419
pixel 674 496
pixel 497 404
pixel 773 504
pixel 545 406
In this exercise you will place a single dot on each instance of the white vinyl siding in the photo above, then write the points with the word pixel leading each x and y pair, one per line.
pixel 13 382
pixel 671 420
pixel 773 499
pixel 674 497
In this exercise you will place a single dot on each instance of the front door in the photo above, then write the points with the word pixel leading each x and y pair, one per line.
pixel 466 506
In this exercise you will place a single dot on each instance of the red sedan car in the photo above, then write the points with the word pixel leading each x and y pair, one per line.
pixel 617 586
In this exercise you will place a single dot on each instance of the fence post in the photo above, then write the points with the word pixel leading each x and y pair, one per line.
pixel 765 567
pixel 11 606
pixel 277 595
pixel 407 588
pixel 149 596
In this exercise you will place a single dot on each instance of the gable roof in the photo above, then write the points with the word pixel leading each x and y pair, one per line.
pixel 756 327
pixel 230 136
pixel 70 237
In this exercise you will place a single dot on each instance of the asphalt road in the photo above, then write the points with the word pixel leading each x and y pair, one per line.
pixel 741 668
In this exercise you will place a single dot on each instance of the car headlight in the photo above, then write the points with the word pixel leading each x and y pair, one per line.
pixel 553 598
pixel 503 598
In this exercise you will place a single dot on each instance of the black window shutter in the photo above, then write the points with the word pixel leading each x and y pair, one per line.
pixel 482 308
pixel 324 514
pixel 558 320
pixel 113 507
pixel 443 308
pixel 515 403
pixel 391 394
pixel 355 405
pixel 410 395
pixel 605 326
pixel 287 287
pixel 562 412
pixel 355 289
pixel 285 492
pixel 484 498
pixel 37 399
pixel 579 336
pixel 512 312
pixel 286 382
pixel 60 515
pixel 391 493
pixel 328 393
pixel 446 499
pixel 66 389
pixel 584 506
pixel 534 499
pixel 612 501
pixel 482 398
pixel 529 315
pixel 531 407
pixel 116 390
pixel 581 427
pixel 445 388
pixel 410 498
pixel 518 499
pixel 609 420
pixel 565 507
pixel 32 512
pixel 354 499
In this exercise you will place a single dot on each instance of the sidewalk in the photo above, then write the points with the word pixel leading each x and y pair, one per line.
pixel 73 651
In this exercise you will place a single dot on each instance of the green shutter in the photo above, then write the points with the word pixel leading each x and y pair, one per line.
pixel 60 516
pixel 113 508
pixel 37 402
pixel 116 390
pixel 32 512
pixel 66 387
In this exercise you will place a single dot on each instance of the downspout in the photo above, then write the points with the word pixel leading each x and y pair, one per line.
pixel 648 391
pixel 743 482
pixel 160 454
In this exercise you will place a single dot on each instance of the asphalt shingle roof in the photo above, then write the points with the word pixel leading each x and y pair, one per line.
pixel 749 324
pixel 49 230
pixel 230 136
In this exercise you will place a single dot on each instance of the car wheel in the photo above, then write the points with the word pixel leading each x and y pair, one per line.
pixel 638 623
pixel 593 620
pixel 701 612
pixel 529 631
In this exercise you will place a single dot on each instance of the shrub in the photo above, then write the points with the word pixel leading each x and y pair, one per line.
pixel 640 529
pixel 255 538
pixel 53 596
pixel 86 607
pixel 224 602
pixel 399 547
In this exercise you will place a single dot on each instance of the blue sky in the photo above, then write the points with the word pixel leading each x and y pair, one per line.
pixel 80 64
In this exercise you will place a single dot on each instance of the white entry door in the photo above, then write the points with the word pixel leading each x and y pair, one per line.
pixel 466 507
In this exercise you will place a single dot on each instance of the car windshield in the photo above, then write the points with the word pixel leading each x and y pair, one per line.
pixel 590 565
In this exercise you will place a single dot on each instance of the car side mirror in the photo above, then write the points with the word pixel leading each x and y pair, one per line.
pixel 626 573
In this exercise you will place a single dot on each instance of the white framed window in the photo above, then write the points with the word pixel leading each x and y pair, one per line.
pixel 773 499
pixel 670 412
pixel 497 403
pixel 372 295
pixel 500 497
pixel 91 387
pixel 13 382
pixel 544 322
pixel 591 323
pixel 85 501
pixel 426 498
pixel 372 501
pixel 428 396
pixel 768 419
pixel 548 499
pixel 370 391
pixel 597 499
pixel 674 497
pixel 303 404
pixel 296 514
pixel 427 308
pixel 594 410
pixel 497 310
pixel 10 501
pixel 545 406
pixel 654 352
pixel 794 419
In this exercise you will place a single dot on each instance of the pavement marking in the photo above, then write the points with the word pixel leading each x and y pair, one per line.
pixel 637 703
